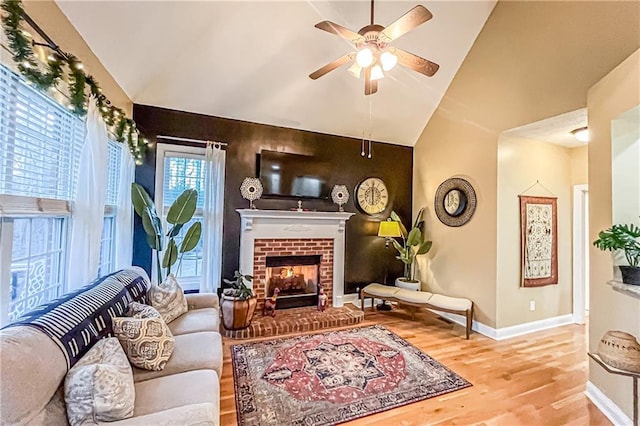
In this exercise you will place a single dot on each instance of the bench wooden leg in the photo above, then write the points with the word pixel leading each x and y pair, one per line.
pixel 361 300
pixel 469 315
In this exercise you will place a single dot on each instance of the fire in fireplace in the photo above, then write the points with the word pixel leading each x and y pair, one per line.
pixel 297 277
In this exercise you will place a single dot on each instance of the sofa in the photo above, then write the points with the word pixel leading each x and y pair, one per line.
pixel 33 364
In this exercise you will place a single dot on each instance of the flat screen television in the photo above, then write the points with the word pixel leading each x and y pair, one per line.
pixel 293 175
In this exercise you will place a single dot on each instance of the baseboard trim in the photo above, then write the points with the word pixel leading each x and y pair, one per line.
pixel 478 327
pixel 607 406
pixel 513 331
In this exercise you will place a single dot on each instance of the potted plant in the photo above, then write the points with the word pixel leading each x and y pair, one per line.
pixel 413 244
pixel 627 239
pixel 238 302
pixel 180 213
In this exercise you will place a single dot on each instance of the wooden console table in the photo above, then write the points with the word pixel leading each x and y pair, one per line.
pixel 634 376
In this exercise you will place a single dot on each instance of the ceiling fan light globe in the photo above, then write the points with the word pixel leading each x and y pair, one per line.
pixel 388 60
pixel 355 70
pixel 376 72
pixel 364 58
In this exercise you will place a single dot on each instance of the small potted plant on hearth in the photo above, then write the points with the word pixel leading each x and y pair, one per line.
pixel 238 302
pixel 413 244
pixel 627 239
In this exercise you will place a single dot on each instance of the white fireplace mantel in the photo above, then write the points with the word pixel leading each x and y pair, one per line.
pixel 283 224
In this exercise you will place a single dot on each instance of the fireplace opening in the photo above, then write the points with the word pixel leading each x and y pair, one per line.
pixel 297 277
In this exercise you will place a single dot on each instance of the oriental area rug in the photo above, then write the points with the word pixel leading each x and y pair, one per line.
pixel 333 377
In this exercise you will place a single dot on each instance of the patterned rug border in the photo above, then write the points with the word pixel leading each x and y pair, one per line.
pixel 234 348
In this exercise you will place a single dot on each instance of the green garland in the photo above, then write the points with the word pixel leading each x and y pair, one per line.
pixel 21 46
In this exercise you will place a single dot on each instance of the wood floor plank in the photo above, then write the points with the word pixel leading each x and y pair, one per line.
pixel 537 379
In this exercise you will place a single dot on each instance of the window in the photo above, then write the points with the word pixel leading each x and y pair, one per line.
pixel 37 263
pixel 40 144
pixel 177 171
pixel 107 246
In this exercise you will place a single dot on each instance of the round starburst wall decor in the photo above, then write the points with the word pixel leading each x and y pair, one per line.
pixel 251 189
pixel 340 196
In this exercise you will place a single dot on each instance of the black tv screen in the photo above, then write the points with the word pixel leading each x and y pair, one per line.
pixel 293 175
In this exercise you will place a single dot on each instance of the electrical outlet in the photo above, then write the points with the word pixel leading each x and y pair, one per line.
pixel 532 305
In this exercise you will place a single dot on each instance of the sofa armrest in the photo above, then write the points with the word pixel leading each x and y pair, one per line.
pixel 202 300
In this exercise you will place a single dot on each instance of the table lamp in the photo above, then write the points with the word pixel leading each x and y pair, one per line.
pixel 388 229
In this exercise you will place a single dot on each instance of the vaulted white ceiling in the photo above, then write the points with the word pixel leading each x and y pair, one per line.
pixel 251 60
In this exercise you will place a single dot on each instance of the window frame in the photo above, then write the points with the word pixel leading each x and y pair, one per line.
pixel 182 151
pixel 111 212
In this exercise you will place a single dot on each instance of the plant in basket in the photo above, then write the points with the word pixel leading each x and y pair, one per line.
pixel 238 302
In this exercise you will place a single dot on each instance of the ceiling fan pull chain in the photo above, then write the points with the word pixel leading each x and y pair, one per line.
pixel 362 145
pixel 370 120
pixel 371 12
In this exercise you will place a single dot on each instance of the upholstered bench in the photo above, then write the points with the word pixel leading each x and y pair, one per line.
pixel 421 299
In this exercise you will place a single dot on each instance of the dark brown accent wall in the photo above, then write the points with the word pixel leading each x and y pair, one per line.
pixel 366 257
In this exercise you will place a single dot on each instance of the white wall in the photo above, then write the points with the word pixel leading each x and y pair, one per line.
pixel 625 167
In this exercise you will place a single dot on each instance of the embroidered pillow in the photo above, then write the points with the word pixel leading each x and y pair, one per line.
pixel 140 310
pixel 99 387
pixel 168 298
pixel 147 342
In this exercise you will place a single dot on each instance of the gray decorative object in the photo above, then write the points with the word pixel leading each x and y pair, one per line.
pixel 251 189
pixel 340 196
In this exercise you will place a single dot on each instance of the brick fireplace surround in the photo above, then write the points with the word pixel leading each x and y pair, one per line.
pixel 290 233
pixel 292 247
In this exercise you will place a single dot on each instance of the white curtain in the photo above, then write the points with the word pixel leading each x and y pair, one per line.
pixel 212 215
pixel 124 212
pixel 88 207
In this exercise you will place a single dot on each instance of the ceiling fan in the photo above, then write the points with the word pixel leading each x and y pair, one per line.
pixel 373 54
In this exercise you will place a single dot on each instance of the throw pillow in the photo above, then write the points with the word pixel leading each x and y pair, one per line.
pixel 148 342
pixel 140 310
pixel 99 388
pixel 168 298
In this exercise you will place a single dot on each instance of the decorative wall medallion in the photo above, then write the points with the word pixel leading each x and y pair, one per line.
pixel 251 189
pixel 372 196
pixel 340 196
pixel 455 202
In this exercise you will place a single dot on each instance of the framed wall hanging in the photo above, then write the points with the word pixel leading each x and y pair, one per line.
pixel 538 240
pixel 455 202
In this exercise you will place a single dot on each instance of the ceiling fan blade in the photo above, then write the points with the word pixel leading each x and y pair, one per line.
pixel 416 16
pixel 331 66
pixel 416 63
pixel 339 30
pixel 370 86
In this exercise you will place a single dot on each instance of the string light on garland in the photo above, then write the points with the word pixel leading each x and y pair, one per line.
pixel 21 44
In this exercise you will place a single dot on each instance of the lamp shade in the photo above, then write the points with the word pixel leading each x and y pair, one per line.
pixel 389 229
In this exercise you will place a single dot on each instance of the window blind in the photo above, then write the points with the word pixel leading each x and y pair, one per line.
pixel 40 142
pixel 113 173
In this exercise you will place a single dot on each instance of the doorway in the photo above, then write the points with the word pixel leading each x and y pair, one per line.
pixel 580 253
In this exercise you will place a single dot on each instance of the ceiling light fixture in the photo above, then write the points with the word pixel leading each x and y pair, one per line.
pixel 376 72
pixel 388 60
pixel 364 58
pixel 581 134
pixel 355 70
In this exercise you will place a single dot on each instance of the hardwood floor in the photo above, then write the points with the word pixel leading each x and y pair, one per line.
pixel 537 379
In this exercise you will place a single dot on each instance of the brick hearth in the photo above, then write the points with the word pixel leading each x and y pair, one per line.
pixel 298 320
pixel 292 247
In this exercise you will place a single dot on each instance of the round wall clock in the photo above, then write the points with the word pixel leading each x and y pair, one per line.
pixel 372 196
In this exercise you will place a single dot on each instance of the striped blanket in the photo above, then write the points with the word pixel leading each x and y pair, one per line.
pixel 77 320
